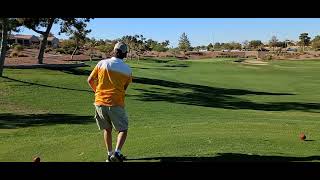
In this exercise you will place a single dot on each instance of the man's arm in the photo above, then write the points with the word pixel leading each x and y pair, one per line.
pixel 128 82
pixel 92 78
pixel 126 86
pixel 92 83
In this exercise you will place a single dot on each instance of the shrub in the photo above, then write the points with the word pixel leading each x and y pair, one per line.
pixel 267 57
pixel 61 51
pixel 47 50
pixel 13 45
pixel 18 48
pixel 14 54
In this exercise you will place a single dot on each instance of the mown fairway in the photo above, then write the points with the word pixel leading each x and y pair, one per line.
pixel 211 109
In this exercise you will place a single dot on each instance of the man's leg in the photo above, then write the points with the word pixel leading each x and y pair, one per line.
pixel 104 123
pixel 119 119
pixel 122 136
pixel 108 139
pixel 117 156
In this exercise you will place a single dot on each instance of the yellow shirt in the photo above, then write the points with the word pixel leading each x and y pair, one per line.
pixel 112 76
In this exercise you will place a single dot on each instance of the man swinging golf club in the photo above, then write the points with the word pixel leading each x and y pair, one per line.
pixel 109 80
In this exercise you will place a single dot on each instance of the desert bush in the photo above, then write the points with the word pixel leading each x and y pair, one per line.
pixel 14 54
pixel 18 48
pixel 48 50
pixel 267 57
pixel 68 46
pixel 61 51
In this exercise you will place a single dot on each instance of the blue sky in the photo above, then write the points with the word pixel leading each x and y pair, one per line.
pixel 201 31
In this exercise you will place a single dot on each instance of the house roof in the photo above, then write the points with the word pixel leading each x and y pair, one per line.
pixel 20 36
pixel 29 37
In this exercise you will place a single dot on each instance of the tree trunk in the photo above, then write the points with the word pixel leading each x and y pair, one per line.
pixel 74 51
pixel 90 54
pixel 43 43
pixel 4 43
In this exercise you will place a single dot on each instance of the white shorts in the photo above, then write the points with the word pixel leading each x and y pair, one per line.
pixel 111 116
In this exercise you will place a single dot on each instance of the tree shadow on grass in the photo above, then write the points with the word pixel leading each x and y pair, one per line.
pixel 207 96
pixel 12 121
pixel 26 83
pixel 229 157
pixel 77 71
pixel 82 72
pixel 155 60
pixel 177 65
pixel 166 69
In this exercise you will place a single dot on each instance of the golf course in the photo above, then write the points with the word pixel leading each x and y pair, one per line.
pixel 179 110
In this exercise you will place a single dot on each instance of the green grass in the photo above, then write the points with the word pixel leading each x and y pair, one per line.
pixel 215 109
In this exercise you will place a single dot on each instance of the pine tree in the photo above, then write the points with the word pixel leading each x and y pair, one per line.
pixel 184 43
